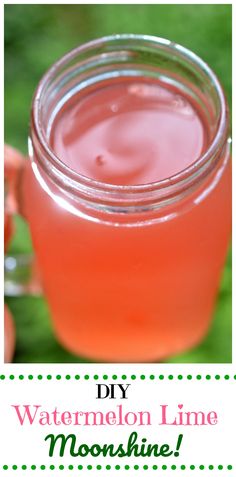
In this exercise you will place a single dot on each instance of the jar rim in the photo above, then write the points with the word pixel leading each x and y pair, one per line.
pixel 219 138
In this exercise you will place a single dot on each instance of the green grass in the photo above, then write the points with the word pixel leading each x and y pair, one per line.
pixel 36 36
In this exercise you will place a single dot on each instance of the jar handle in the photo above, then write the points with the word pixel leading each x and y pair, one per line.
pixel 21 276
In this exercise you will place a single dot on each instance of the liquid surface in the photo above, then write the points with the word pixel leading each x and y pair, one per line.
pixel 129 133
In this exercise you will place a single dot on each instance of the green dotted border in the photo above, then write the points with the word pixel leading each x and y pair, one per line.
pixel 124 377
pixel 118 467
pixel 133 377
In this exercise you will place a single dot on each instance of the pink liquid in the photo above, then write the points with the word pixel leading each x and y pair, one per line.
pixel 139 293
pixel 129 133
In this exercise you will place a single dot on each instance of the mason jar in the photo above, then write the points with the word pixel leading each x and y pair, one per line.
pixel 130 272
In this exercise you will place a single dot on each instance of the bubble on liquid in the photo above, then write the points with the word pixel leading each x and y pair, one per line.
pixel 143 90
pixel 182 106
pixel 136 89
pixel 150 92
pixel 114 107
pixel 100 160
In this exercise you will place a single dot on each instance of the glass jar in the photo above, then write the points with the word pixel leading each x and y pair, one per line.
pixel 130 272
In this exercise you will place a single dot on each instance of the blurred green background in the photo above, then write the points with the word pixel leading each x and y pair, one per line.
pixel 35 37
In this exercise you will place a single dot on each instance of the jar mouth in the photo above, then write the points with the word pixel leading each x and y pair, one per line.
pixel 176 51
